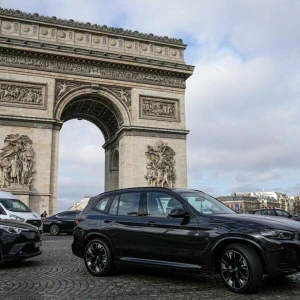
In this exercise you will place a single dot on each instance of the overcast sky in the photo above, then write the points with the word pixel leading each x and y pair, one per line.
pixel 242 102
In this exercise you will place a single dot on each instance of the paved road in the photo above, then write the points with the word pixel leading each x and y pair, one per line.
pixel 58 274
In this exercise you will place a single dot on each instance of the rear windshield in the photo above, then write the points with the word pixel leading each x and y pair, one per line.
pixel 14 205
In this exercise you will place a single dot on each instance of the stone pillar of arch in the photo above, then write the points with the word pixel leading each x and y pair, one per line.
pixel 130 85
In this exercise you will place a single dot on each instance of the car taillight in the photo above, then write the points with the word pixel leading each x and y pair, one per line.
pixel 77 220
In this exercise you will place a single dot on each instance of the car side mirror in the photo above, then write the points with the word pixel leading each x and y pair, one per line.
pixel 179 213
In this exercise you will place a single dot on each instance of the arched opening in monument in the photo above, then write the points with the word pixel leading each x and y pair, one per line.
pixel 81 162
pixel 90 123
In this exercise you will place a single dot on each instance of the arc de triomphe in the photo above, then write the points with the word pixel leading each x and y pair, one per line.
pixel 130 85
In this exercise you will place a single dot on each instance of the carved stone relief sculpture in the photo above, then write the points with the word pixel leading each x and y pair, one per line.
pixel 123 94
pixel 22 94
pixel 16 161
pixel 160 165
pixel 156 108
pixel 63 87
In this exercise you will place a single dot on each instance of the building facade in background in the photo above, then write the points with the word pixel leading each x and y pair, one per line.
pixel 245 201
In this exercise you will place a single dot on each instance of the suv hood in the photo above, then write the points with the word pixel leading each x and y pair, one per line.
pixel 253 222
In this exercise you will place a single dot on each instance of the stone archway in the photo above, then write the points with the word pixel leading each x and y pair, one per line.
pixel 130 85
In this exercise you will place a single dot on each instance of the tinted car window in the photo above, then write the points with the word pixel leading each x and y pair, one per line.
pixel 61 215
pixel 128 204
pixel 268 212
pixel 282 213
pixel 71 215
pixel 101 205
pixel 114 206
pixel 160 204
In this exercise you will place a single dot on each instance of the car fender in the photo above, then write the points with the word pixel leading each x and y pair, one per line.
pixel 92 235
pixel 234 239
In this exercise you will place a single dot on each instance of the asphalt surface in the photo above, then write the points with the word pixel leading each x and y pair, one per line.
pixel 58 274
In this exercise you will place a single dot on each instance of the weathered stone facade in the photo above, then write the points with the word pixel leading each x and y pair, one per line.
pixel 130 85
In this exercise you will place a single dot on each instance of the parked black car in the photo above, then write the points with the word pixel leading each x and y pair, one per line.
pixel 275 212
pixel 18 241
pixel 61 222
pixel 185 230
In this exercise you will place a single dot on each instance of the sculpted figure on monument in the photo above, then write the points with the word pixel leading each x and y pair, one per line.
pixel 63 87
pixel 16 169
pixel 160 165
pixel 16 161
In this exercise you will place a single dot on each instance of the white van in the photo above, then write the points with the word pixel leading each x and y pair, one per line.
pixel 12 208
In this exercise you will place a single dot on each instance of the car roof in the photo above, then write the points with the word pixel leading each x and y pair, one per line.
pixel 146 188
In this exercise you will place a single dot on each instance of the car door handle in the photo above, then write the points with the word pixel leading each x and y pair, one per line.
pixel 150 223
pixel 107 221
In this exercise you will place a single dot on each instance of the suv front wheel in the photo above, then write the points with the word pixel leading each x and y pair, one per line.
pixel 241 268
pixel 98 257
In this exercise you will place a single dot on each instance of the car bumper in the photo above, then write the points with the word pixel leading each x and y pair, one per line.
pixel 284 260
pixel 78 242
pixel 21 251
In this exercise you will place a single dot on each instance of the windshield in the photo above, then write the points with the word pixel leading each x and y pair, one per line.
pixel 205 204
pixel 14 205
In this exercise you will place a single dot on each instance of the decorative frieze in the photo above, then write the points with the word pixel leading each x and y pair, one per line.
pixel 160 165
pixel 22 94
pixel 159 108
pixel 115 73
pixel 16 162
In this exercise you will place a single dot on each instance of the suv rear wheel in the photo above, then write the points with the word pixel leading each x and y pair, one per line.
pixel 98 257
pixel 241 268
pixel 54 229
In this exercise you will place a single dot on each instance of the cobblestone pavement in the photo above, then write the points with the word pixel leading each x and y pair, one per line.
pixel 58 274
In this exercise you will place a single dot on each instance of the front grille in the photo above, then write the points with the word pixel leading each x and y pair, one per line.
pixel 36 223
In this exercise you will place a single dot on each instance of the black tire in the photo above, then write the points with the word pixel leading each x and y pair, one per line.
pixel 98 257
pixel 54 229
pixel 241 268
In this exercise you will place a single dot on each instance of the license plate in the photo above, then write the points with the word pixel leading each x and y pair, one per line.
pixel 37 244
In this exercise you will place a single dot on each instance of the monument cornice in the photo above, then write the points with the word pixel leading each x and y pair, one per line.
pixel 148 132
pixel 17 14
pixel 109 56
pixel 35 122
pixel 80 65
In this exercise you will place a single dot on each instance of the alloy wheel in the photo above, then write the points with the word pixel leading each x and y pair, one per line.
pixel 234 269
pixel 54 229
pixel 96 257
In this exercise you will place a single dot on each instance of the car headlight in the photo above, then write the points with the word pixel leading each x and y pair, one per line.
pixel 12 229
pixel 277 234
pixel 14 217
